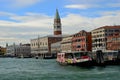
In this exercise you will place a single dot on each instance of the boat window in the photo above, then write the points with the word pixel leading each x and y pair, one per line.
pixel 61 55
pixel 105 53
pixel 77 55
pixel 115 53
pixel 84 53
pixel 110 53
pixel 69 55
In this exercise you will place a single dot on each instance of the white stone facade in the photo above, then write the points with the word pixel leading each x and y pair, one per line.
pixel 99 37
pixel 66 44
pixel 56 47
pixel 39 45
pixel 42 45
pixel 19 50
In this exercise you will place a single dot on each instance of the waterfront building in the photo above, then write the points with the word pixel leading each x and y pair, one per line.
pixel 99 36
pixel 66 44
pixel 21 50
pixel 113 42
pixel 2 50
pixel 55 48
pixel 82 41
pixel 41 46
pixel 57 24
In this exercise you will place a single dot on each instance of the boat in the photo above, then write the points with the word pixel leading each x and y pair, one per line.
pixel 80 58
pixel 36 57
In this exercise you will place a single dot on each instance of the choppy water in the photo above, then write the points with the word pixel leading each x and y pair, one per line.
pixel 37 69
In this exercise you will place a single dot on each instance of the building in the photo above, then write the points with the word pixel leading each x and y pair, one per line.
pixel 113 42
pixel 41 46
pixel 82 41
pixel 2 50
pixel 66 44
pixel 55 48
pixel 21 50
pixel 57 24
pixel 99 36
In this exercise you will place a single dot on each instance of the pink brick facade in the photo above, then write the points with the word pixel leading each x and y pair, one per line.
pixel 81 41
pixel 113 42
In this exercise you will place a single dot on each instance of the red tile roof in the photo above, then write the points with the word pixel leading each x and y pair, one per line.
pixel 109 27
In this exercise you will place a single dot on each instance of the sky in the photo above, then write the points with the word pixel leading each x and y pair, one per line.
pixel 23 20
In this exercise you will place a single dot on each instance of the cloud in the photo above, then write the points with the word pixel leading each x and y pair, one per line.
pixel 30 17
pixel 8 39
pixel 105 13
pixel 85 4
pixel 18 3
pixel 107 20
pixel 29 26
pixel 114 5
pixel 12 40
pixel 85 1
pixel 27 20
pixel 25 27
pixel 6 14
pixel 77 6
pixel 23 3
pixel 93 1
pixel 73 23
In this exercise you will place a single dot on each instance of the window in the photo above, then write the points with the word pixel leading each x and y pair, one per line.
pixel 110 30
pixel 116 30
pixel 58 26
pixel 78 40
pixel 54 27
pixel 78 46
pixel 34 44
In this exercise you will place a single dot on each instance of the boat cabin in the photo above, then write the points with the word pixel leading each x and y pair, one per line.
pixel 73 57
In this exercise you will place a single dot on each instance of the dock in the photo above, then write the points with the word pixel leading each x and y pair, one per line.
pixel 100 58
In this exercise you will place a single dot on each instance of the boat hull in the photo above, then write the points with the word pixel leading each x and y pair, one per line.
pixel 84 64
pixel 81 64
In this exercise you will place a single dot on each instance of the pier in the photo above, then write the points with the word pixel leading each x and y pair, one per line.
pixel 106 58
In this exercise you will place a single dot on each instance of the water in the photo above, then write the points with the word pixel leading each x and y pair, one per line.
pixel 37 69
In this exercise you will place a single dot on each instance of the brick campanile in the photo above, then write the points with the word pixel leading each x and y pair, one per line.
pixel 57 24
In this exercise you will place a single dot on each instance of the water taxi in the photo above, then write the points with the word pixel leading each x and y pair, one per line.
pixel 81 58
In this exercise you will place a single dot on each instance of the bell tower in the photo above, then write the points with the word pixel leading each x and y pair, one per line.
pixel 57 24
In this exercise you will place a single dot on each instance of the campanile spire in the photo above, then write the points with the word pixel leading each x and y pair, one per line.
pixel 57 24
